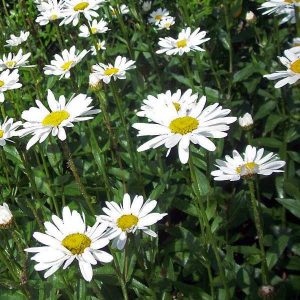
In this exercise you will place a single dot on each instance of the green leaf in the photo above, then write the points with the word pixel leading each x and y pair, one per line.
pixel 292 205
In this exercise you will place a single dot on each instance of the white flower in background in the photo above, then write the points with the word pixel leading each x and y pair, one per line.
pixel 14 61
pixel 68 239
pixel 166 23
pixel 251 163
pixel 50 11
pixel 295 46
pixel 9 80
pixel 185 42
pixel 96 27
pixel 17 40
pixel 116 71
pixel 128 218
pixel 291 61
pixel 6 216
pixel 40 122
pixel 158 15
pixel 289 16
pixel 100 46
pixel 74 8
pixel 8 130
pixel 275 6
pixel 146 6
pixel 250 17
pixel 171 127
pixel 180 101
pixel 246 121
pixel 123 10
pixel 94 82
pixel 61 65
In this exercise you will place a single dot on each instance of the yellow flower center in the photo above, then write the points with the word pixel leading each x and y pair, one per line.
pixel 247 169
pixel 167 25
pixel 295 66
pixel 81 6
pixel 55 118
pixel 181 43
pixel 177 105
pixel 127 221
pixel 76 243
pixel 67 65
pixel 10 64
pixel 1 83
pixel 183 125
pixel 158 17
pixel 54 17
pixel 111 71
pixel 1 133
pixel 94 30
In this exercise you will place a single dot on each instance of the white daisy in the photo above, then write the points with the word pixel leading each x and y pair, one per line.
pixel 69 238
pixel 50 11
pixel 253 162
pixel 116 71
pixel 246 121
pixel 185 42
pixel 289 15
pixel 73 9
pixel 122 9
pixel 291 61
pixel 166 23
pixel 6 216
pixel 8 130
pixel 171 127
pixel 17 40
pixel 61 65
pixel 275 6
pixel 41 122
pixel 128 218
pixel 9 80
pixel 96 27
pixel 157 15
pixel 100 46
pixel 146 6
pixel 14 61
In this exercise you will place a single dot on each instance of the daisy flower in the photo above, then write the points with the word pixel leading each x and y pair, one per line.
pixel 146 5
pixel 13 61
pixel 275 6
pixel 128 218
pixel 185 42
pixel 49 11
pixel 166 23
pixel 246 121
pixel 291 61
pixel 40 122
pixel 73 9
pixel 100 46
pixel 171 127
pixel 8 130
pixel 122 10
pixel 6 216
pixel 251 163
pixel 289 15
pixel 158 15
pixel 96 27
pixel 17 40
pixel 61 65
pixel 9 80
pixel 116 71
pixel 68 239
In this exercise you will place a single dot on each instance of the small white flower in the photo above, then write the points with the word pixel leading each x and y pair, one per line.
pixel 9 80
pixel 49 11
pixel 123 10
pixel 96 27
pixel 250 17
pixel 61 65
pixel 295 46
pixel 100 46
pixel 128 218
pixel 14 61
pixel 246 121
pixel 185 42
pixel 146 6
pixel 166 23
pixel 40 122
pixel 253 162
pixel 275 6
pixel 94 82
pixel 17 40
pixel 68 239
pixel 291 61
pixel 158 15
pixel 8 130
pixel 6 216
pixel 116 71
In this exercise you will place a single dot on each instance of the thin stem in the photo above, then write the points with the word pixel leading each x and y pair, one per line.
pixel 5 8
pixel 297 16
pixel 259 229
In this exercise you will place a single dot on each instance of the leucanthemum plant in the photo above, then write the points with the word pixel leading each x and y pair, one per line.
pixel 14 40
pixel 9 80
pixel 68 239
pixel 158 15
pixel 166 23
pixel 129 217
pixel 40 122
pixel 95 27
pixel 276 6
pixel 50 11
pixel 100 46
pixel 14 61
pixel 8 129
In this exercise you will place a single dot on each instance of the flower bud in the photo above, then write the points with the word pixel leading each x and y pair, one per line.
pixel 6 216
pixel 146 6
pixel 95 83
pixel 266 292
pixel 246 122
pixel 250 17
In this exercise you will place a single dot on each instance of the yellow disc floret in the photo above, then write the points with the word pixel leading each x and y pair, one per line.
pixel 181 43
pixel 67 65
pixel 76 243
pixel 295 66
pixel 81 6
pixel 183 125
pixel 10 64
pixel 55 118
pixel 1 83
pixel 1 133
pixel 158 17
pixel 111 71
pixel 125 222
pixel 248 169
pixel 177 106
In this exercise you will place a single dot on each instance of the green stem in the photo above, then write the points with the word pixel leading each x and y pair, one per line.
pixel 297 15
pixel 5 8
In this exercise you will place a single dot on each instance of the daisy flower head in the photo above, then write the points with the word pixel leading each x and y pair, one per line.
pixel 275 6
pixel 8 130
pixel 128 217
pixel 74 8
pixel 14 61
pixel 17 40
pixel 158 15
pixel 6 217
pixel 246 166
pixel 100 46
pixel 166 23
pixel 291 61
pixel 62 64
pixel 68 239
pixel 187 41
pixel 50 11
pixel 115 71
pixel 197 124
pixel 40 122
pixel 9 80
pixel 121 10
pixel 95 26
